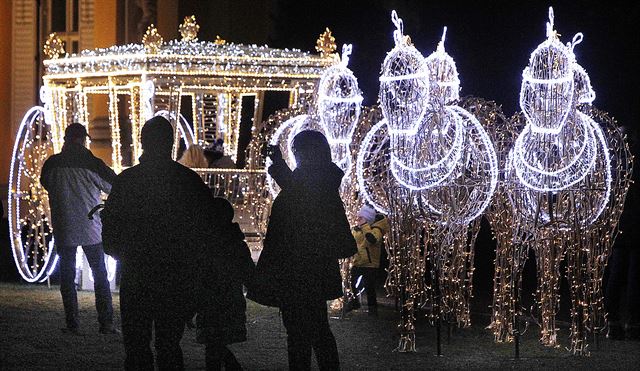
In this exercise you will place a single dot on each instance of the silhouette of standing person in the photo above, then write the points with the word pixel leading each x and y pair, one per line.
pixel 308 232
pixel 156 222
pixel 74 179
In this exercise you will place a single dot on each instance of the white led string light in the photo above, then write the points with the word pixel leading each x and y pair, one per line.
pixel 403 84
pixel 431 165
pixel 564 201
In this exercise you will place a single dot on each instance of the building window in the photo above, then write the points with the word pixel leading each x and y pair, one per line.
pixel 63 20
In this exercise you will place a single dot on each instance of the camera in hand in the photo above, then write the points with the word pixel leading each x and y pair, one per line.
pixel 271 150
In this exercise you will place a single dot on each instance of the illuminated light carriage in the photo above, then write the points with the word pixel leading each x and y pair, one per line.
pixel 222 87
pixel 425 157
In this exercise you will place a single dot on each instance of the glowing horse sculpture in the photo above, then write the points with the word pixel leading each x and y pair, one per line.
pixel 559 176
pixel 432 167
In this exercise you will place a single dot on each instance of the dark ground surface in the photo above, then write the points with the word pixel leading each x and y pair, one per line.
pixel 30 339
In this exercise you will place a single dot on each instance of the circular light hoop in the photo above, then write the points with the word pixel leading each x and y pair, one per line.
pixel 568 175
pixel 372 151
pixel 404 88
pixel 482 169
pixel 280 138
pixel 607 171
pixel 13 206
pixel 308 123
pixel 429 175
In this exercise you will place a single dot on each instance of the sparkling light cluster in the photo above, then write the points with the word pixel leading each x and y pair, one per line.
pixel 192 57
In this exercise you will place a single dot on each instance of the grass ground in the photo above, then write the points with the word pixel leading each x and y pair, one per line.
pixel 30 339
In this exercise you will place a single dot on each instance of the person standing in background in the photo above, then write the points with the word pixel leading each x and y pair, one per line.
pixel 369 231
pixel 74 179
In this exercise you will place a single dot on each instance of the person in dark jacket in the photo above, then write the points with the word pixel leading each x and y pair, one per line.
pixel 221 309
pixel 156 221
pixel 74 179
pixel 308 232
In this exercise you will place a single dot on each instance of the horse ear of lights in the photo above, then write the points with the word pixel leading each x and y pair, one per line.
pixel 432 167
pixel 563 191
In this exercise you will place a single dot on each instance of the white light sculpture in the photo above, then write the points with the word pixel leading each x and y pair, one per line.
pixel 565 197
pixel 547 84
pixel 431 165
pixel 404 84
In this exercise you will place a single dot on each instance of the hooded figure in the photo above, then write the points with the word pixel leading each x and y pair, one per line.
pixel 226 265
pixel 308 232
pixel 156 221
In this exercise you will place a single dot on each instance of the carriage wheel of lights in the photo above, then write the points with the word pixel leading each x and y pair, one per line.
pixel 413 165
pixel 567 179
pixel 28 205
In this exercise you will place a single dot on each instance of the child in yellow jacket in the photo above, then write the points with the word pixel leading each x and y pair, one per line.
pixel 368 235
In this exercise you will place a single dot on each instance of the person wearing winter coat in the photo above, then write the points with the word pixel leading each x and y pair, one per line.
pixel 308 232
pixel 74 180
pixel 157 221
pixel 368 234
pixel 221 308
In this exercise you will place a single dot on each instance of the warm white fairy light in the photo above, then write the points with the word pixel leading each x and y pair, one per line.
pixel 154 76
pixel 564 200
pixel 432 166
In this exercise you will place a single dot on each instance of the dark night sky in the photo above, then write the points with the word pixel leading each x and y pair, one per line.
pixel 490 41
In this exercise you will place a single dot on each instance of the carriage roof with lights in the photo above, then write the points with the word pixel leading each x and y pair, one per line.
pixel 208 90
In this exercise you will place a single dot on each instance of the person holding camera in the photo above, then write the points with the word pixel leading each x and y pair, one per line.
pixel 308 232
